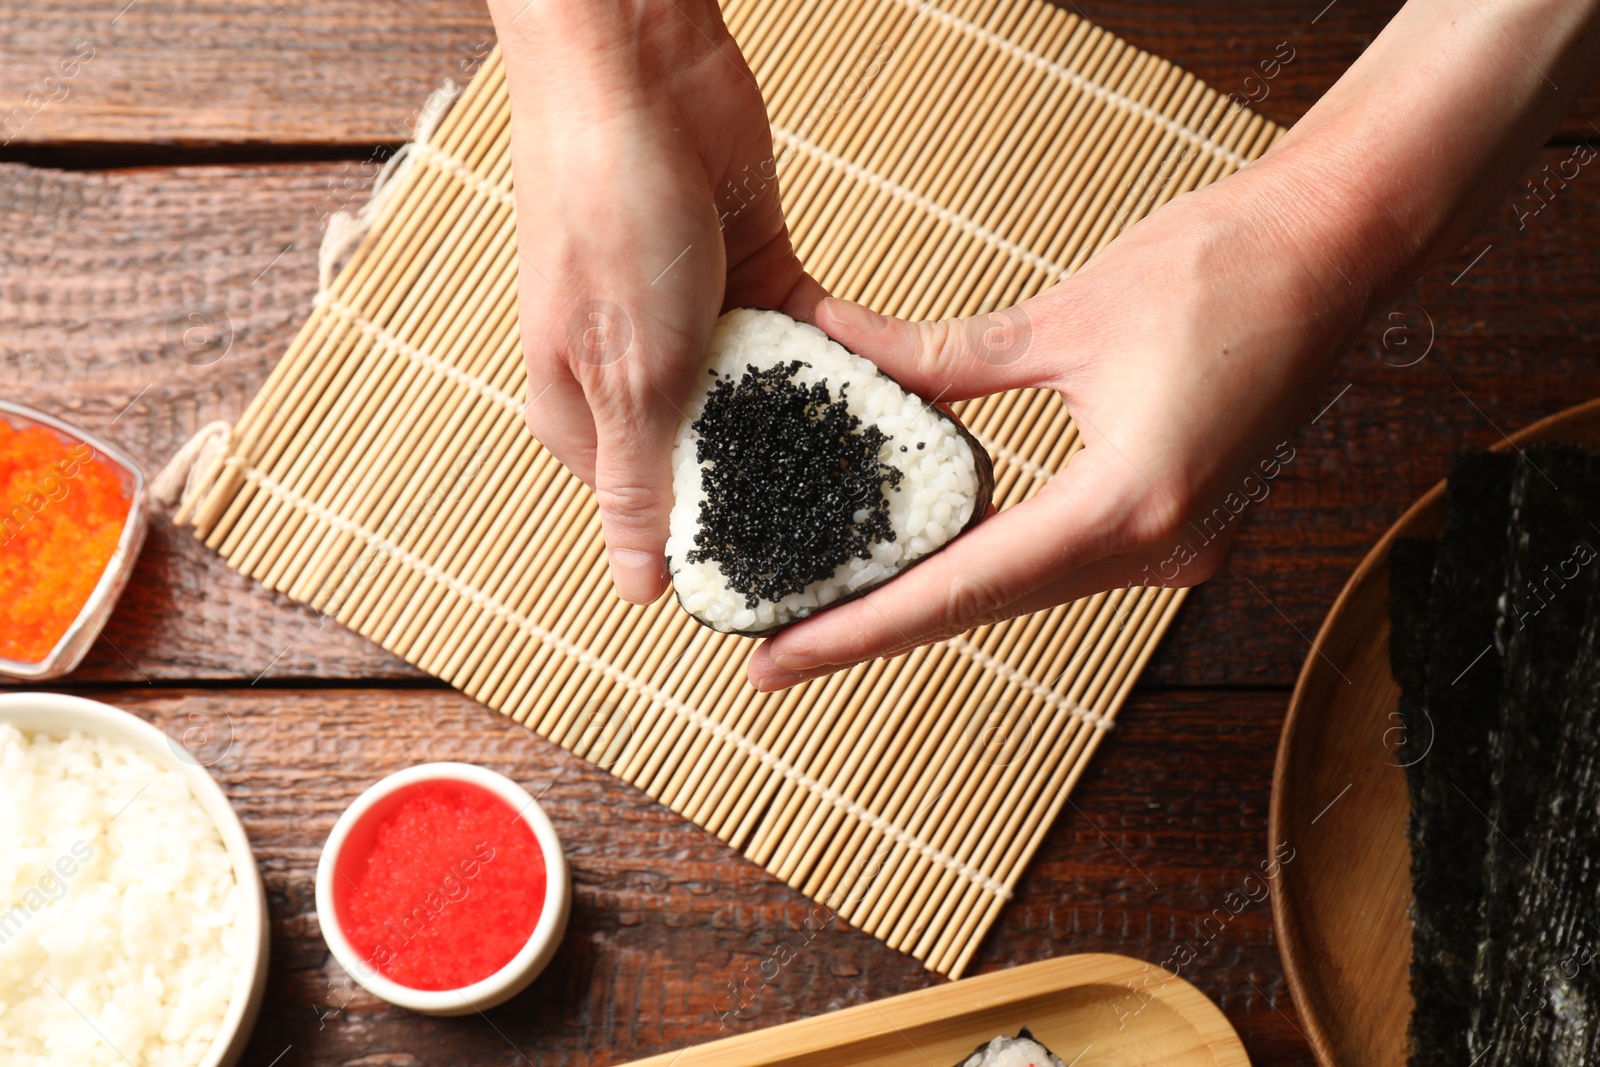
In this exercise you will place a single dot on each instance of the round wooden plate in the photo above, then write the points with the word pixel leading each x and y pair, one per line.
pixel 1338 816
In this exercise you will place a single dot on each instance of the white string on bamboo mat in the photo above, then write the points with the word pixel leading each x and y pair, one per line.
pixel 654 694
pixel 966 648
pixel 968 226
pixel 459 169
pixel 386 339
pixel 1110 96
pixel 1022 681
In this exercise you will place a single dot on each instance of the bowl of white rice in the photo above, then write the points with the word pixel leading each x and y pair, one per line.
pixel 133 929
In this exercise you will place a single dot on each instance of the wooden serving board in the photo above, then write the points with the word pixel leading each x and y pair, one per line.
pixel 1339 801
pixel 1092 1010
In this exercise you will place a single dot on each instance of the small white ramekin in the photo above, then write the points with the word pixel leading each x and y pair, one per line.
pixel 57 716
pixel 523 968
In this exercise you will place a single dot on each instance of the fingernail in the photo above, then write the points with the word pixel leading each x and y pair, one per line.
pixel 850 314
pixel 779 680
pixel 795 661
pixel 637 575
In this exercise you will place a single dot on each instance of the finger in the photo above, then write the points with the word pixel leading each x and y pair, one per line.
pixel 558 415
pixel 633 482
pixel 952 359
pixel 983 576
pixel 1097 577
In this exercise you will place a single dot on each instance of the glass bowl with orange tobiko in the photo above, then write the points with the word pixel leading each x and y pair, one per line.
pixel 71 523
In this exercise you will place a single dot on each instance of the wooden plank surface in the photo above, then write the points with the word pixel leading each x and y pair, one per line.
pixel 671 934
pixel 197 71
pixel 342 72
pixel 103 270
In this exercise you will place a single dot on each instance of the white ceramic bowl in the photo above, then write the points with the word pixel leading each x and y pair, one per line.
pixel 57 716
pixel 523 968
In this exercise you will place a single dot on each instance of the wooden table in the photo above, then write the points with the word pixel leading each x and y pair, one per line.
pixel 186 173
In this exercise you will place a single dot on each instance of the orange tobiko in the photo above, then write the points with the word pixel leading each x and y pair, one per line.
pixel 65 508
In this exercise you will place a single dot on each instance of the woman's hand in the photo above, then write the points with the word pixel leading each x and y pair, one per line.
pixel 647 203
pixel 1196 339
pixel 1184 352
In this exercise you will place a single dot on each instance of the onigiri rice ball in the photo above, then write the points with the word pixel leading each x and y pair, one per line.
pixel 803 476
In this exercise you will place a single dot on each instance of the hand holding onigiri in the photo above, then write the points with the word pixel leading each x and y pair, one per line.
pixel 804 476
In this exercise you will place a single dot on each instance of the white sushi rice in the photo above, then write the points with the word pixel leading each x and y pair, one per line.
pixel 935 500
pixel 1019 1051
pixel 118 909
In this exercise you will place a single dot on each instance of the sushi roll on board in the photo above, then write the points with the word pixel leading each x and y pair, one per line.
pixel 1019 1051
pixel 804 476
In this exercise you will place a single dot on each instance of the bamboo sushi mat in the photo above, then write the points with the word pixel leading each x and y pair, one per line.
pixel 934 160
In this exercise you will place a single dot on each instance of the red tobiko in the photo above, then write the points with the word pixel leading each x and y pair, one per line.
pixel 441 886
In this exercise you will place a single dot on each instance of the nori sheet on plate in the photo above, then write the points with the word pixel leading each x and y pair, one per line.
pixel 1551 952
pixel 1549 586
pixel 1446 751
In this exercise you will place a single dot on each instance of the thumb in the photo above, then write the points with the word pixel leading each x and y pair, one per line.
pixel 633 482
pixel 951 359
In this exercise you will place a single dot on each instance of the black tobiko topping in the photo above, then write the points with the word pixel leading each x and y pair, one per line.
pixel 786 470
